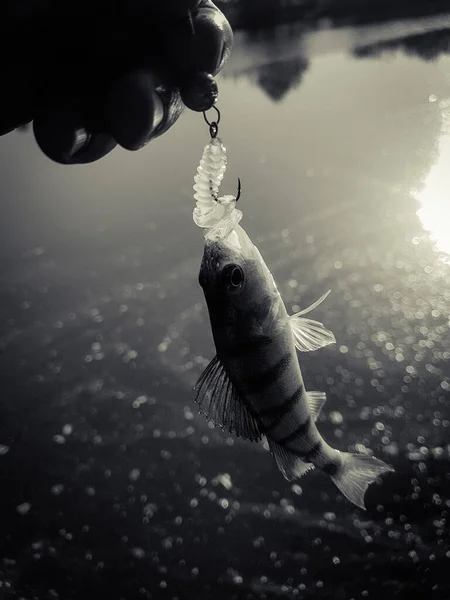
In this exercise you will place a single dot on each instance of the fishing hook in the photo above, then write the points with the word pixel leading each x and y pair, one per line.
pixel 239 189
pixel 214 125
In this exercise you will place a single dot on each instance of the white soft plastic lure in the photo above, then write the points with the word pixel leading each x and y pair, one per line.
pixel 254 386
pixel 217 215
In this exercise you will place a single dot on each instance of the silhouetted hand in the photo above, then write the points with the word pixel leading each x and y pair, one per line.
pixel 94 73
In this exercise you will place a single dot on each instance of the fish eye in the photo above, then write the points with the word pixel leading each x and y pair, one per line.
pixel 233 277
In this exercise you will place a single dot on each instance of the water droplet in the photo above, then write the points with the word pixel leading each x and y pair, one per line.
pixel 134 474
pixel 138 552
pixel 57 489
pixel 23 508
pixel 336 417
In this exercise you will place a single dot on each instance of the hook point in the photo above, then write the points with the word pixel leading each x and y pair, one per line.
pixel 239 189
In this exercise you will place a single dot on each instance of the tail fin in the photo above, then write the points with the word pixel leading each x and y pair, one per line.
pixel 356 473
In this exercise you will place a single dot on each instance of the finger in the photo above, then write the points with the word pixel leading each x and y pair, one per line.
pixel 162 8
pixel 200 42
pixel 62 136
pixel 10 124
pixel 173 107
pixel 215 42
pixel 13 113
pixel 134 109
pixel 15 104
pixel 99 145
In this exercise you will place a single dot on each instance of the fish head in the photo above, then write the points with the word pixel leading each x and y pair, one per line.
pixel 239 288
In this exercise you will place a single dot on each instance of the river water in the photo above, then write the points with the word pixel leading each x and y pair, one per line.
pixel 112 485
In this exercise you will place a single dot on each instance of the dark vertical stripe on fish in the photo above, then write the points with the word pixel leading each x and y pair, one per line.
pixel 299 431
pixel 260 381
pixel 276 413
pixel 330 468
pixel 313 451
pixel 246 348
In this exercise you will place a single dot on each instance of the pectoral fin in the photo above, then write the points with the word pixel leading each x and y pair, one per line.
pixel 290 465
pixel 219 401
pixel 316 400
pixel 308 334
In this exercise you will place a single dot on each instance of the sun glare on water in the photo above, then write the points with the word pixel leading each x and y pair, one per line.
pixel 434 198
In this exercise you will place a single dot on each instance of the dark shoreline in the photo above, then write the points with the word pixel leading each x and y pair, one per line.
pixel 261 14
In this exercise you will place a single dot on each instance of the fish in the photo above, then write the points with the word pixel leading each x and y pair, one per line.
pixel 253 387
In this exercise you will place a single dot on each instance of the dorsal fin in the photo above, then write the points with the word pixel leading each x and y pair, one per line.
pixel 219 401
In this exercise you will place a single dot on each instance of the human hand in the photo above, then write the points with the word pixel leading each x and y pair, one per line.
pixel 104 72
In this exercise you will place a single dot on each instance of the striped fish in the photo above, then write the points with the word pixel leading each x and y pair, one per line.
pixel 254 386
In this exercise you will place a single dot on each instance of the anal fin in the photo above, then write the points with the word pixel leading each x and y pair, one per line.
pixel 220 403
pixel 290 465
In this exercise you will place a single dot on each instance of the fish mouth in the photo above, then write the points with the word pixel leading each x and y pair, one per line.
pixel 236 242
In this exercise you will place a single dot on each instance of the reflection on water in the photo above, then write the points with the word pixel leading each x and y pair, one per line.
pixel 427 38
pixel 277 78
pixel 427 46
pixel 434 197
pixel 277 59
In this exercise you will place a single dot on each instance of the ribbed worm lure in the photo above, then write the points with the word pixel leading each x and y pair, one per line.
pixel 217 215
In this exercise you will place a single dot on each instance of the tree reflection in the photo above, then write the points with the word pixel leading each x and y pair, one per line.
pixel 427 46
pixel 277 78
pixel 279 56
